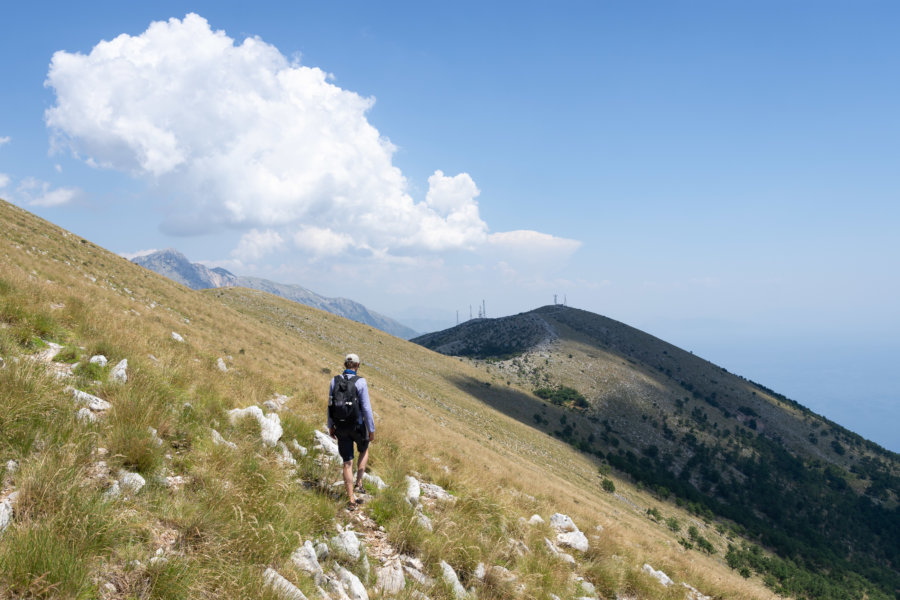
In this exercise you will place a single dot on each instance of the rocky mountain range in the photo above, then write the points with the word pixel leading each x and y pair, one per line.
pixel 178 267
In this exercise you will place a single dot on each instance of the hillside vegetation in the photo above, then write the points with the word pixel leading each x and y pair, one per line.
pixel 220 511
pixel 824 499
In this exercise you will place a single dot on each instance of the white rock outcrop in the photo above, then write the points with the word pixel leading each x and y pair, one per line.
pixel 92 402
pixel 284 588
pixel 6 510
pixel 413 490
pixel 568 533
pixel 536 520
pixel 119 373
pixel 99 360
pixel 177 337
pixel 220 364
pixel 347 544
pixel 131 482
pixel 389 578
pixel 657 575
pixel 269 425
pixel 450 578
pixel 374 480
pixel 351 583
pixel 218 440
pixel 436 492
pixel 306 559
pixel 327 445
pixel 298 448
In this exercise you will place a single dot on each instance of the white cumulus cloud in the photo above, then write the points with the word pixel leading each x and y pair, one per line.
pixel 528 242
pixel 39 193
pixel 232 134
pixel 4 180
pixel 5 139
pixel 255 244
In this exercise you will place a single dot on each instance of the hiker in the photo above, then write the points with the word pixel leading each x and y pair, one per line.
pixel 350 421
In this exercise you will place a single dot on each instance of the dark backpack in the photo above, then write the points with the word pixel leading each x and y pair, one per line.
pixel 343 406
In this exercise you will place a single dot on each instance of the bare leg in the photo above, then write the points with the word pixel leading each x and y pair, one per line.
pixel 361 467
pixel 348 481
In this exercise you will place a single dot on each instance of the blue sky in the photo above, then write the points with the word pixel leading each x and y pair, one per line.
pixel 722 175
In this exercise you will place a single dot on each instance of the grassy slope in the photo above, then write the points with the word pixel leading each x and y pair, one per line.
pixel 241 512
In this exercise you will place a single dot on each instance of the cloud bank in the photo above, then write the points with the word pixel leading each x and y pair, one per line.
pixel 236 136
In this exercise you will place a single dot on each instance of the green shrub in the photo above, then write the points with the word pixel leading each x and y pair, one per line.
pixel 608 486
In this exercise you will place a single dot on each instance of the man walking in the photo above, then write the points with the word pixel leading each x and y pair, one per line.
pixel 351 421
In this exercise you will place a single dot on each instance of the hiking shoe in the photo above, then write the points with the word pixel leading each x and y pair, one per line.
pixel 359 489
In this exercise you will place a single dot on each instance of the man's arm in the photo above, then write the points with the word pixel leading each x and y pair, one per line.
pixel 327 412
pixel 365 406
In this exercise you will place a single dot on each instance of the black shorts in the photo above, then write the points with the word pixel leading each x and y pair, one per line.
pixel 346 439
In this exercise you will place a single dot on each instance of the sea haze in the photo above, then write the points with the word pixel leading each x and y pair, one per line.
pixel 855 384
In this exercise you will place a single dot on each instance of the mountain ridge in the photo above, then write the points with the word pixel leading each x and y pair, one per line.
pixel 682 424
pixel 176 266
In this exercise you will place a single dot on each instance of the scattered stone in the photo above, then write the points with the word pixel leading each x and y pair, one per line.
pixel 118 373
pixel 176 482
pixel 536 520
pixel 11 466
pixel 221 365
pixel 282 586
pixel 86 416
pixel 327 445
pixel 351 583
pixel 431 490
pixel 93 402
pixel 658 575
pixel 389 578
pixel 322 550
pixel 573 539
pixel 346 543
pixel 479 571
pixel 178 338
pixel 286 457
pixel 276 403
pixel 561 522
pixel 374 480
pixel 131 482
pixel 413 490
pixel 6 510
pixel 269 425
pixel 337 590
pixel 99 360
pixel 218 440
pixel 422 519
pixel 298 448
pixel 306 559
pixel 114 491
pixel 518 546
pixel 450 578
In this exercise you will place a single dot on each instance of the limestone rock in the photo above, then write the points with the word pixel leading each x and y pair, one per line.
pixel 85 415
pixel 119 372
pixel 422 519
pixel 218 440
pixel 431 490
pixel 413 490
pixel 480 571
pixel 450 578
pixel 306 559
pixel 282 586
pixel 374 480
pixel 695 594
pixel 92 402
pixel 389 578
pixel 131 482
pixel 347 544
pixel 285 455
pixel 6 510
pixel 328 445
pixel 177 337
pixel 561 522
pixel 269 425
pixel 573 539
pixel 354 587
pixel 298 448
pixel 220 364
pixel 99 360
pixel 658 575
pixel 536 520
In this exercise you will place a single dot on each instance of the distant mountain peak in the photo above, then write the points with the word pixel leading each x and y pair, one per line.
pixel 176 266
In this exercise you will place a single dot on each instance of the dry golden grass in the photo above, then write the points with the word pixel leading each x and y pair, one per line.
pixel 436 416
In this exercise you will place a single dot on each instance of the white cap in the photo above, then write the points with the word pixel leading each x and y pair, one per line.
pixel 352 358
